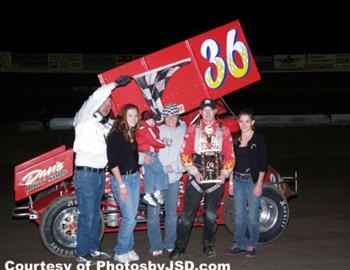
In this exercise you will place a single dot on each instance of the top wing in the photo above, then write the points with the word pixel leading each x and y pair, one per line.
pixel 212 65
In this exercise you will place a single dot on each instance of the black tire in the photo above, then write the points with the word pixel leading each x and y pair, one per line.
pixel 274 214
pixel 59 224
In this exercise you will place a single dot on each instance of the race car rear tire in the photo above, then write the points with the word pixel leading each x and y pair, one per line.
pixel 274 214
pixel 58 226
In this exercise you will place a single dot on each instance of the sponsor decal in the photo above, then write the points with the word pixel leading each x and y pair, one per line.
pixel 57 175
pixel 63 251
pixel 34 186
pixel 38 177
pixel 284 206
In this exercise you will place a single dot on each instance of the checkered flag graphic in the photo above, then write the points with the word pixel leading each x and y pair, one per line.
pixel 153 82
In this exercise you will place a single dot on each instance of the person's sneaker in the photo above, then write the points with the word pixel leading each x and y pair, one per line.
pixel 86 259
pixel 209 252
pixel 250 252
pixel 123 258
pixel 133 256
pixel 149 200
pixel 100 255
pixel 170 250
pixel 157 253
pixel 159 197
pixel 176 253
pixel 233 250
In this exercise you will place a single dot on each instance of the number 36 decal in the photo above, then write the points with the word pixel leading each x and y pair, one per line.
pixel 210 51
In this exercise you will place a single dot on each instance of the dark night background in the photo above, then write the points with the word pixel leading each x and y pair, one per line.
pixel 289 27
pixel 121 27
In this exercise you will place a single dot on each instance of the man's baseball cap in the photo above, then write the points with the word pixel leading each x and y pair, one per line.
pixel 208 102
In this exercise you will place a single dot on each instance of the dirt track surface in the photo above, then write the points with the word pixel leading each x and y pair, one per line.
pixel 318 234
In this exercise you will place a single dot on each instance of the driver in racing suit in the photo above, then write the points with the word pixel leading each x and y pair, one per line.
pixel 207 153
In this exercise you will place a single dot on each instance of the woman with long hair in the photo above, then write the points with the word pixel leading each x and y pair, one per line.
pixel 125 181
pixel 246 184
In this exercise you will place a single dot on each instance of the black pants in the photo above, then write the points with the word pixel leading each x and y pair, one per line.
pixel 192 200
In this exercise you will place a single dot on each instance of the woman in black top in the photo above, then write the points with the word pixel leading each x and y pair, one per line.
pixel 246 184
pixel 125 181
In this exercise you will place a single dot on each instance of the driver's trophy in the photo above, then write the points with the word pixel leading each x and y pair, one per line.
pixel 211 161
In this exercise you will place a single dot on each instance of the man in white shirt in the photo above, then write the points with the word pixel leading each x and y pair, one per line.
pixel 92 124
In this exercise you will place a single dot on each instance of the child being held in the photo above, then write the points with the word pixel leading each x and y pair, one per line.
pixel 149 143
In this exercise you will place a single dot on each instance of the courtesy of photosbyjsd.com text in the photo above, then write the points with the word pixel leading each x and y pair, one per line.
pixel 107 265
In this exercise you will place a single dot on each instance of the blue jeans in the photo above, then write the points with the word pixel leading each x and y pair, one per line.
pixel 89 188
pixel 128 208
pixel 155 176
pixel 153 224
pixel 246 217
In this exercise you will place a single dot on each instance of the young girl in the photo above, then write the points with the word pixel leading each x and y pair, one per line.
pixel 149 143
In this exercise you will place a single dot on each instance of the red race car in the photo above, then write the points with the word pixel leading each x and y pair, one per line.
pixel 210 65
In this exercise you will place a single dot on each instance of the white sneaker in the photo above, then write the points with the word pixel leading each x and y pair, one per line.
pixel 149 200
pixel 159 197
pixel 123 258
pixel 157 253
pixel 100 255
pixel 87 260
pixel 133 256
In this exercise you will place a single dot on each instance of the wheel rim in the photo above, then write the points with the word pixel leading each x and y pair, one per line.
pixel 268 214
pixel 65 227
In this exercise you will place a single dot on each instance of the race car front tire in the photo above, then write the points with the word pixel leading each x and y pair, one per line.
pixel 58 226
pixel 274 214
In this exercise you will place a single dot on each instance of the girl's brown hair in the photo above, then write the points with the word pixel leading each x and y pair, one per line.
pixel 121 123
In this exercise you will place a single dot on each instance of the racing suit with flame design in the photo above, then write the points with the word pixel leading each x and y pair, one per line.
pixel 200 142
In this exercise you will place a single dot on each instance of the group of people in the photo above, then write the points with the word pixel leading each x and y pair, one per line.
pixel 133 143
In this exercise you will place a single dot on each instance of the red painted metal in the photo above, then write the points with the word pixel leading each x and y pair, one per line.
pixel 42 172
pixel 213 54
